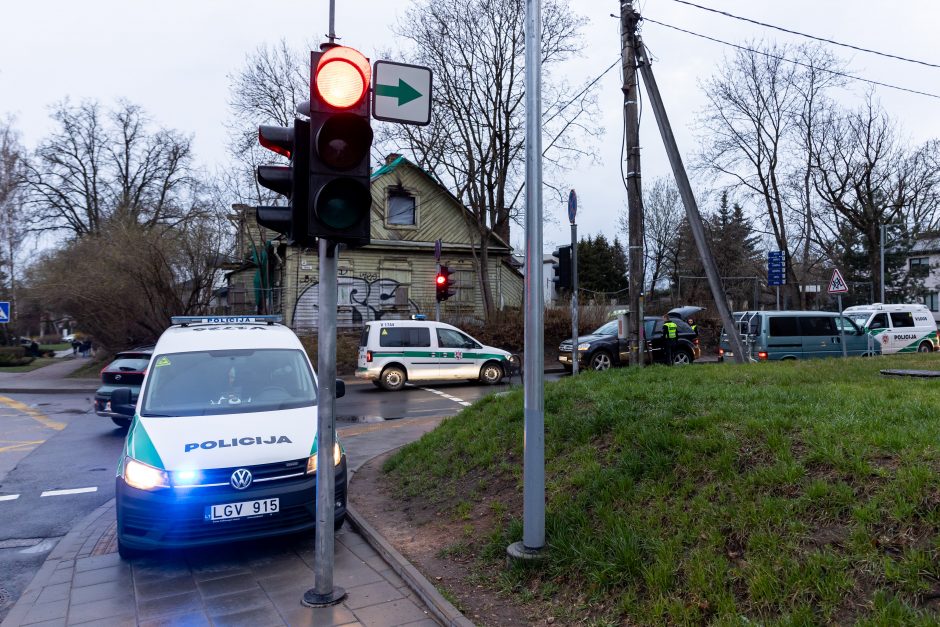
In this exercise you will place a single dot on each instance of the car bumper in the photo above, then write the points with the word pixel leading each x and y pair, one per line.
pixel 367 373
pixel 176 517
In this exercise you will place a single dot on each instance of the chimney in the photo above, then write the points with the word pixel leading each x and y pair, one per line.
pixel 391 157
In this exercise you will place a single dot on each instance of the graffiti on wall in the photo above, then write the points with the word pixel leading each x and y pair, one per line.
pixel 359 299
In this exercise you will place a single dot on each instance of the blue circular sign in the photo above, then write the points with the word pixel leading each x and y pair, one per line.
pixel 572 206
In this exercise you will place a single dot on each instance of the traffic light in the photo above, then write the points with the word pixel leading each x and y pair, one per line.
pixel 562 268
pixel 291 181
pixel 443 284
pixel 340 199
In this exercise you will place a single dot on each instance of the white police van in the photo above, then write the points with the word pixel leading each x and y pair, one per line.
pixel 222 446
pixel 904 328
pixel 393 352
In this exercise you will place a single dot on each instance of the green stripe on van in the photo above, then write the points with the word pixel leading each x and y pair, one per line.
pixel 437 355
pixel 141 448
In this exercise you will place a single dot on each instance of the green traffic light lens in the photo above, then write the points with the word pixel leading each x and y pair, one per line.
pixel 342 203
pixel 344 141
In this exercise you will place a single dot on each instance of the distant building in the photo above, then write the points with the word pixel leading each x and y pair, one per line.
pixel 923 265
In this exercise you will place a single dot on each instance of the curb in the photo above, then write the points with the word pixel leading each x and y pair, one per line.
pixel 47 390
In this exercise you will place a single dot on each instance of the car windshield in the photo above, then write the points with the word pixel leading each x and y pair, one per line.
pixel 203 383
pixel 859 317
pixel 607 329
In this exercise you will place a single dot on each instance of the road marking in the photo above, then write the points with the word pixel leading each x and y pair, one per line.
pixel 70 491
pixel 447 396
pixel 19 445
pixel 9 497
pixel 32 413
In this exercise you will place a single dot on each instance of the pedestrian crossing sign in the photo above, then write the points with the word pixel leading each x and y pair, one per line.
pixel 837 284
pixel 4 311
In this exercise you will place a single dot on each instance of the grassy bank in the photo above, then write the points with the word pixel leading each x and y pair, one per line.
pixel 791 493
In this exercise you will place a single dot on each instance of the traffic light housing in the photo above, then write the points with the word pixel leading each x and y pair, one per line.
pixel 291 180
pixel 562 268
pixel 443 284
pixel 340 195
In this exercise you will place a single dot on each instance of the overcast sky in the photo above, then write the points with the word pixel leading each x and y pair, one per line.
pixel 174 58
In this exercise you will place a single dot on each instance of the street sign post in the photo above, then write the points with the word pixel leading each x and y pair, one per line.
pixel 776 271
pixel 401 93
pixel 4 311
pixel 838 286
pixel 572 213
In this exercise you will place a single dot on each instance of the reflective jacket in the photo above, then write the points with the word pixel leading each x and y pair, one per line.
pixel 670 330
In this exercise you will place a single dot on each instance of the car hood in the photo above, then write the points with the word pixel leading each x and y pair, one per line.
pixel 225 440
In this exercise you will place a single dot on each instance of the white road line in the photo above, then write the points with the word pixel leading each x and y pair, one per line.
pixel 71 491
pixel 9 497
pixel 447 396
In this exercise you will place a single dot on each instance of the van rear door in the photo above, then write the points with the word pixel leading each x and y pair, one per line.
pixel 783 338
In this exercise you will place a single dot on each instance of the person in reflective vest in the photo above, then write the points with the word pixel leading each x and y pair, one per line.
pixel 693 325
pixel 670 337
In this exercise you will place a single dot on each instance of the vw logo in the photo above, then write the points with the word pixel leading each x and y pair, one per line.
pixel 117 377
pixel 241 479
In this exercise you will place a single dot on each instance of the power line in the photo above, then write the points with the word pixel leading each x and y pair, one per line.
pixel 813 67
pixel 793 32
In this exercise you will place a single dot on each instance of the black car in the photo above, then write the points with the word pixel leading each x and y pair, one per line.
pixel 602 349
pixel 127 370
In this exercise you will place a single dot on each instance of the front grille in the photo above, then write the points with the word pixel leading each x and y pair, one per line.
pixel 565 347
pixel 261 474
pixel 195 528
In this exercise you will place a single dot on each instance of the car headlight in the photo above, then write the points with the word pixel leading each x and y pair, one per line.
pixel 583 346
pixel 142 476
pixel 312 460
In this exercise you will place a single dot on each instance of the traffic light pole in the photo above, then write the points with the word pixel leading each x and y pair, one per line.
pixel 574 298
pixel 437 303
pixel 323 592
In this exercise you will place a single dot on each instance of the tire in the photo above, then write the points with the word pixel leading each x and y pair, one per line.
pixel 377 383
pixel 681 358
pixel 126 552
pixel 123 423
pixel 337 524
pixel 393 378
pixel 925 347
pixel 600 361
pixel 491 373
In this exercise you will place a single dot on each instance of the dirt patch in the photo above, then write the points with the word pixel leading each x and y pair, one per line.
pixel 444 548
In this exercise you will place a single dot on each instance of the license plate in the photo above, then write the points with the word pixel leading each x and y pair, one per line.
pixel 230 511
pixel 564 358
pixel 729 354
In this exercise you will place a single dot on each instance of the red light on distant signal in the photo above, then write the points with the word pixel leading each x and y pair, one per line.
pixel 441 280
pixel 342 77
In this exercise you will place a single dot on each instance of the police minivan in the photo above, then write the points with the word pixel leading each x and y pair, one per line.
pixel 223 441
pixel 394 352
pixel 906 328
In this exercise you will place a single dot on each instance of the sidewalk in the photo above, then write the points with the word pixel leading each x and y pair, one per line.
pixel 51 379
pixel 84 582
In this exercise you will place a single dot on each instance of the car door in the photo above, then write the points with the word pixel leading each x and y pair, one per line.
pixel 856 342
pixel 411 345
pixel 904 338
pixel 878 328
pixel 783 339
pixel 820 337
pixel 457 355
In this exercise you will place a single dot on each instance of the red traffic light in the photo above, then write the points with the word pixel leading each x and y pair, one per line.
pixel 441 279
pixel 342 77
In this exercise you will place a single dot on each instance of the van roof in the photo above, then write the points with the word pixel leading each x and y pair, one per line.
pixel 226 336
pixel 889 308
pixel 418 323
pixel 789 313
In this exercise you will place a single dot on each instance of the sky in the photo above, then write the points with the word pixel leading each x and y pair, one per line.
pixel 174 58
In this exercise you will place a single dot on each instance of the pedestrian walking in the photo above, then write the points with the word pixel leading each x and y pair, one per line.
pixel 670 337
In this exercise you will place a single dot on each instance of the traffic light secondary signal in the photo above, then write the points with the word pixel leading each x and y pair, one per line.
pixel 562 268
pixel 290 181
pixel 442 283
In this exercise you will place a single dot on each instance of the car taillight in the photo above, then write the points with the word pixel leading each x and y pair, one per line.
pixel 721 352
pixel 762 356
pixel 368 356
pixel 101 373
pixel 696 341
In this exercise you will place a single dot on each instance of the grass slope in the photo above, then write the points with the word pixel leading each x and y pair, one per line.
pixel 786 493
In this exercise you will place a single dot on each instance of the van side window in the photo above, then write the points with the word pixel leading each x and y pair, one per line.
pixel 448 338
pixel 405 337
pixel 364 338
pixel 783 326
pixel 817 325
pixel 879 322
pixel 902 319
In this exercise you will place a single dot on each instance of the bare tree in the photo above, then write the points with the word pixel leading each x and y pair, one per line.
pixel 100 166
pixel 12 198
pixel 474 144
pixel 663 215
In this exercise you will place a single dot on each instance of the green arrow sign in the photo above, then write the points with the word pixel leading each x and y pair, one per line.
pixel 403 91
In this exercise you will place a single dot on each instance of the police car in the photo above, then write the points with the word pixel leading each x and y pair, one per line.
pixel 900 328
pixel 222 446
pixel 393 352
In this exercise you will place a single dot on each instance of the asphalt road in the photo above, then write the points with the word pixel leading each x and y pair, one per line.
pixel 57 461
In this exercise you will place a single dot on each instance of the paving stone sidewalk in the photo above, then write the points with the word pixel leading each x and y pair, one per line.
pixel 84 582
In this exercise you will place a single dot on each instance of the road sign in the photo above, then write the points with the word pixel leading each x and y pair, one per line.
pixel 437 251
pixel 4 311
pixel 572 206
pixel 776 268
pixel 401 93
pixel 837 284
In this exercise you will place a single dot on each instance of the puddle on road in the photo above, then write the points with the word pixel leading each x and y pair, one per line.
pixel 366 419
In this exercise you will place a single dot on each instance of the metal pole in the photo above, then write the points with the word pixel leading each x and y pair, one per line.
pixel 842 330
pixel 437 303
pixel 756 304
pixel 883 227
pixel 778 298
pixel 324 593
pixel 574 298
pixel 332 33
pixel 533 473
pixel 688 199
pixel 628 50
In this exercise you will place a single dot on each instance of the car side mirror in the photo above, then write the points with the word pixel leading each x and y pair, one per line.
pixel 340 388
pixel 121 402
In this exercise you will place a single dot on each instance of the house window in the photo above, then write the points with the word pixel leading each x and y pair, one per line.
pixel 465 281
pixel 401 209
pixel 920 266
pixel 932 300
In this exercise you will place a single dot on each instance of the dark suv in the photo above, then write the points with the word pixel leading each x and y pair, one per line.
pixel 602 349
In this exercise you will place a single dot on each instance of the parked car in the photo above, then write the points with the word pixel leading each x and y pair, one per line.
pixel 782 335
pixel 602 349
pixel 906 328
pixel 127 370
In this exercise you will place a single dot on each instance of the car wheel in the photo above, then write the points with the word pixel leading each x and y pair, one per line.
pixel 491 373
pixel 393 378
pixel 681 358
pixel 925 347
pixel 600 361
pixel 123 423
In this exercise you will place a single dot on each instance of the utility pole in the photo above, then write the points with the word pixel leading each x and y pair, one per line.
pixel 628 55
pixel 688 199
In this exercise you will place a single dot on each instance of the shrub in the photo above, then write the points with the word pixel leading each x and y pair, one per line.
pixel 13 356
